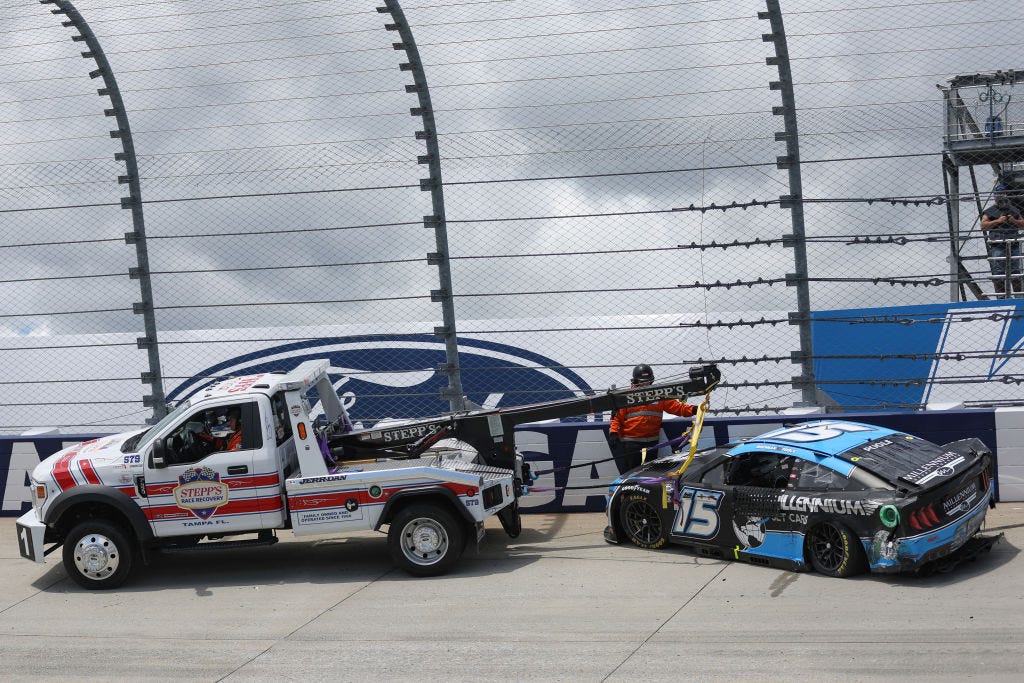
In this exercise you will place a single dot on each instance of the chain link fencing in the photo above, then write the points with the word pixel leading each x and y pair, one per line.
pixel 616 190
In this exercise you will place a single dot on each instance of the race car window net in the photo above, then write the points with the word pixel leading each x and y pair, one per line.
pixel 893 456
pixel 753 501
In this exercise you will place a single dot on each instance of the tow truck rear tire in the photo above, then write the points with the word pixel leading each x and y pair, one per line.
pixel 425 539
pixel 98 554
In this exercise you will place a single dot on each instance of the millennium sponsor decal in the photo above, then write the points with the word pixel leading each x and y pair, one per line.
pixel 836 506
pixel 942 466
pixel 962 500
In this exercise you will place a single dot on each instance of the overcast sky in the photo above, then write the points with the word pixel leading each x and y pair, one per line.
pixel 588 122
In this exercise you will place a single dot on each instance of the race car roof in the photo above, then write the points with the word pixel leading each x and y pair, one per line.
pixel 829 437
pixel 844 445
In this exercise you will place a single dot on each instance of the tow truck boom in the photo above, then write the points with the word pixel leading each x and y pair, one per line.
pixel 491 432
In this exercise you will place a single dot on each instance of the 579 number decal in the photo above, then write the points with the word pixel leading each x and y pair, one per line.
pixel 698 513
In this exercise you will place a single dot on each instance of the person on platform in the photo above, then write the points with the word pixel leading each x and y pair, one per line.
pixel 1002 224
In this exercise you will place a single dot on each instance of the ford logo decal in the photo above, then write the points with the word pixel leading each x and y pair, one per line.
pixel 397 375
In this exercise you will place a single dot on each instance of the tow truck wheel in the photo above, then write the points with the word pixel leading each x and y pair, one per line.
pixel 425 539
pixel 97 554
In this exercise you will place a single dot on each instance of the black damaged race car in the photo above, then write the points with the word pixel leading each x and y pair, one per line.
pixel 841 497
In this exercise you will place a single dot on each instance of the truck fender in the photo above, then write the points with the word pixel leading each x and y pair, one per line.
pixel 397 500
pixel 103 495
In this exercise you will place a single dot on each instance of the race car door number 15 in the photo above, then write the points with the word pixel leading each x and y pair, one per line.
pixel 698 513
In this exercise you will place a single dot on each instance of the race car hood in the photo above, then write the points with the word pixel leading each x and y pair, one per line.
pixel 99 461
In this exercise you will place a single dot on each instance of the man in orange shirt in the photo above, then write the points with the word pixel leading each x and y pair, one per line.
pixel 234 439
pixel 638 427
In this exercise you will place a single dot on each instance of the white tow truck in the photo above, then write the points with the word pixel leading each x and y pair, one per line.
pixel 243 458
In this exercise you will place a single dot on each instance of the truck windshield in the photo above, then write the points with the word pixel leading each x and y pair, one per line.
pixel 140 441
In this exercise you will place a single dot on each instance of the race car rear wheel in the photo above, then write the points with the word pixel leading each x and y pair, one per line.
pixel 425 539
pixel 640 517
pixel 835 550
pixel 98 554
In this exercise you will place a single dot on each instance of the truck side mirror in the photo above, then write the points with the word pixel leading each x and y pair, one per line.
pixel 159 454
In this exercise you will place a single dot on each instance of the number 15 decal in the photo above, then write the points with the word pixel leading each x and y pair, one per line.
pixel 698 513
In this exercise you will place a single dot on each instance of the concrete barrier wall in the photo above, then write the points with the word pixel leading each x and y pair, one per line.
pixel 579 455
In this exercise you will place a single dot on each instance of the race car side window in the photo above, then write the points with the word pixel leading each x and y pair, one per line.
pixel 715 475
pixel 815 477
pixel 764 470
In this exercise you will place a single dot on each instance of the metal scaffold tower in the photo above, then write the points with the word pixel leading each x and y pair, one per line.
pixel 983 125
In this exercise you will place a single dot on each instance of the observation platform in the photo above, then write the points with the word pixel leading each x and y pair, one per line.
pixel 984 118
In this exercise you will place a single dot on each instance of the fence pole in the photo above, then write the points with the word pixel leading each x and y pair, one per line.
pixel 440 258
pixel 133 201
pixel 794 200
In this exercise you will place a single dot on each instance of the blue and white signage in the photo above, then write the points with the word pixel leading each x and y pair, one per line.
pixel 916 355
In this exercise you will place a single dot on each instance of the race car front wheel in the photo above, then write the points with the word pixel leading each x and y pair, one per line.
pixel 835 550
pixel 640 517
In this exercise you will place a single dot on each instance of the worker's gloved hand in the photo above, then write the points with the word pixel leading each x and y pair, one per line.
pixel 614 442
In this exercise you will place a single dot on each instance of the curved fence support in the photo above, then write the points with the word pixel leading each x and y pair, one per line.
pixel 133 201
pixel 794 200
pixel 453 393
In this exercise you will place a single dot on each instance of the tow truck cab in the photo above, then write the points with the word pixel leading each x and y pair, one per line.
pixel 192 483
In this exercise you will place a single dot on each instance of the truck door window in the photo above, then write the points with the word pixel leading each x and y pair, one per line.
pixel 230 427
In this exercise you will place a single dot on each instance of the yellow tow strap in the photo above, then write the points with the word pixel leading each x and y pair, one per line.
pixel 698 424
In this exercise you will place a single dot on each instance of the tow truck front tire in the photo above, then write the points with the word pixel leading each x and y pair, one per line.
pixel 425 539
pixel 98 554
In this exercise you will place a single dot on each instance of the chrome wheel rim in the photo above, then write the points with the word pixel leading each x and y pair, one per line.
pixel 96 556
pixel 424 541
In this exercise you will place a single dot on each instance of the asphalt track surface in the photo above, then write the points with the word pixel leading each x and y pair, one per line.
pixel 557 603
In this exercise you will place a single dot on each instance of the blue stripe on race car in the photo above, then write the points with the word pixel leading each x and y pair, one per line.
pixel 786 545
pixel 841 466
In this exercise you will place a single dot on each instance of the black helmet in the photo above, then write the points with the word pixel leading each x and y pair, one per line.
pixel 642 373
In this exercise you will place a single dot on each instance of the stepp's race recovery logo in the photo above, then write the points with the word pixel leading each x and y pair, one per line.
pixel 388 375
pixel 201 492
